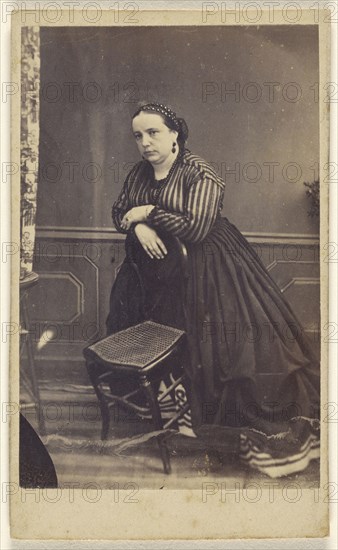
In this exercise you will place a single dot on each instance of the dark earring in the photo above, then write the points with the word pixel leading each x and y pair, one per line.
pixel 173 150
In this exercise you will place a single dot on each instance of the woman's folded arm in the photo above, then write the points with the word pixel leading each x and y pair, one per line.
pixel 120 207
pixel 201 209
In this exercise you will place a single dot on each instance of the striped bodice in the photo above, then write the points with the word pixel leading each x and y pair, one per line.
pixel 186 206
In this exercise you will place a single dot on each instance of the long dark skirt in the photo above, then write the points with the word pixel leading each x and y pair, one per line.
pixel 252 371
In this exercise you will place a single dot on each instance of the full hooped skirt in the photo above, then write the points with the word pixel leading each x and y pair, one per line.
pixel 251 369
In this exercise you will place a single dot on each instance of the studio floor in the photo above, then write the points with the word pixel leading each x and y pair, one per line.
pixel 82 459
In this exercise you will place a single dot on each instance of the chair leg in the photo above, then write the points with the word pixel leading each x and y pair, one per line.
pixel 168 381
pixel 157 419
pixel 105 413
pixel 105 416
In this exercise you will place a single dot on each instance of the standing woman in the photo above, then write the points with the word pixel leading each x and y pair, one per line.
pixel 251 367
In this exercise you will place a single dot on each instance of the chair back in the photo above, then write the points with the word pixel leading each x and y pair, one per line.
pixel 174 267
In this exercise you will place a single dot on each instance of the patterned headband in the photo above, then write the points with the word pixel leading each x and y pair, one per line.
pixel 162 110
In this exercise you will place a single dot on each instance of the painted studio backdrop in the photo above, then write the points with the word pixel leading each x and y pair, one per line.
pixel 249 96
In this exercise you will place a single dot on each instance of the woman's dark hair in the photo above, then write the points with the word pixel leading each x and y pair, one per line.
pixel 169 118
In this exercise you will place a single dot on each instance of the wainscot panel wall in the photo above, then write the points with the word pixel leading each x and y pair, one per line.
pixel 77 268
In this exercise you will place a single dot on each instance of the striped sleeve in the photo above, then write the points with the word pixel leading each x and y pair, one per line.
pixel 120 207
pixel 200 212
pixel 122 203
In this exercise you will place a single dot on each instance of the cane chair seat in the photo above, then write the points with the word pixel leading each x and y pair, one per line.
pixel 136 347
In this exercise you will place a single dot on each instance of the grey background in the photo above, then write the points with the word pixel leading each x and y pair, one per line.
pixel 84 123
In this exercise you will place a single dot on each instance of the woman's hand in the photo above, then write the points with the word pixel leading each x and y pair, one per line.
pixel 150 241
pixel 135 215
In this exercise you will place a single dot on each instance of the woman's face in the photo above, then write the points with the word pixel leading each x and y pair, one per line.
pixel 153 138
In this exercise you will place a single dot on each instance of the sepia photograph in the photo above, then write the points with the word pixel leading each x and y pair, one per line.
pixel 172 209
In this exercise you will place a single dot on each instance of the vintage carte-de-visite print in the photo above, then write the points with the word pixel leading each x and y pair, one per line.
pixel 170 367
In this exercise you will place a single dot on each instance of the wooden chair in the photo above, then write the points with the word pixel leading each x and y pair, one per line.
pixel 144 354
